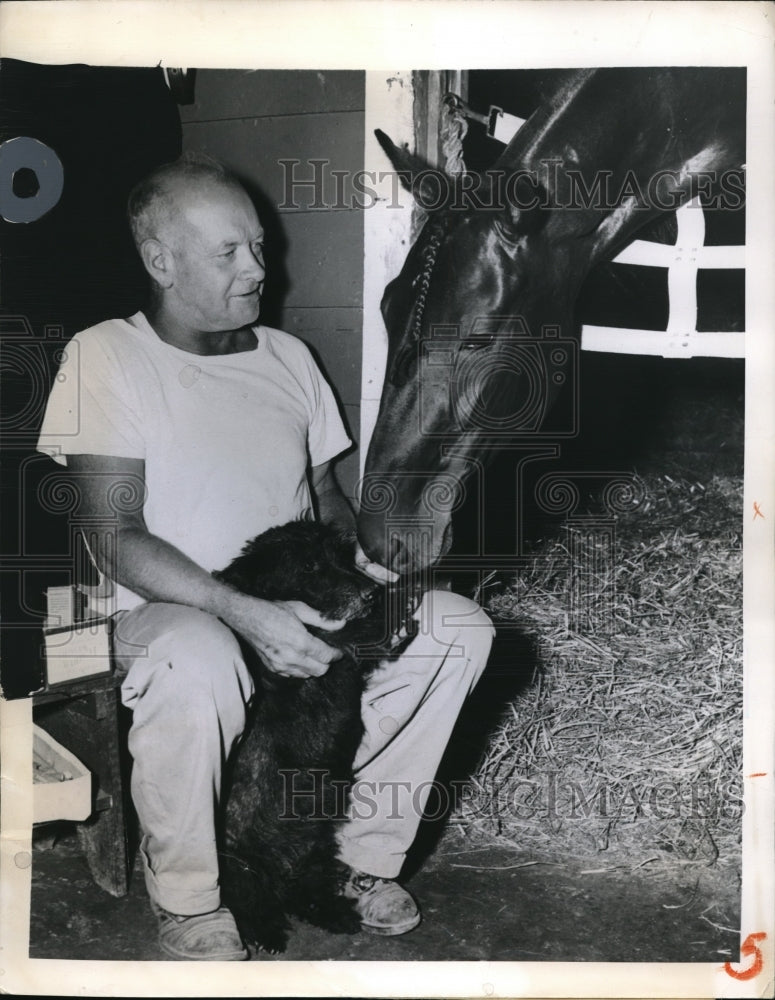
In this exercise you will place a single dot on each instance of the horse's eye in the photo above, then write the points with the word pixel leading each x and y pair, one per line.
pixel 477 343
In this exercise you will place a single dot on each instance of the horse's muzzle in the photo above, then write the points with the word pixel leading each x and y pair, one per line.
pixel 406 549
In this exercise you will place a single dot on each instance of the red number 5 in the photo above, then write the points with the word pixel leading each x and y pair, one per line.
pixel 748 947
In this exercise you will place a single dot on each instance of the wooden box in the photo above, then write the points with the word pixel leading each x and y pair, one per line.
pixel 61 784
pixel 78 651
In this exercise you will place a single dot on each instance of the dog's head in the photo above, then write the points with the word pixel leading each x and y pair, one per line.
pixel 304 561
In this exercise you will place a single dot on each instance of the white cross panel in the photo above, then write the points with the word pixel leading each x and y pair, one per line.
pixel 681 339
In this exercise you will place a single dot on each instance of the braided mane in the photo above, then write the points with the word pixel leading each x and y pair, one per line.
pixel 422 281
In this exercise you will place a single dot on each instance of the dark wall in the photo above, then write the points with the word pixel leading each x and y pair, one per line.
pixel 70 268
pixel 109 127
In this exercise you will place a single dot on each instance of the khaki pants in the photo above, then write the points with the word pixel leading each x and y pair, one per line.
pixel 188 688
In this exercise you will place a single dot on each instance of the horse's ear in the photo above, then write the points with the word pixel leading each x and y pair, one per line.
pixel 414 173
pixel 407 164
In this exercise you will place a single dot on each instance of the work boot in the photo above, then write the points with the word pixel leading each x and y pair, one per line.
pixel 383 905
pixel 204 937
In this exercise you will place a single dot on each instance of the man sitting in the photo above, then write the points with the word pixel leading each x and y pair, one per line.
pixel 188 429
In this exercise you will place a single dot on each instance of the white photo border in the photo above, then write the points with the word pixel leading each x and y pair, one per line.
pixel 443 34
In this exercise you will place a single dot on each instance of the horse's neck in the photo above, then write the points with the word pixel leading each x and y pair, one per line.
pixel 617 131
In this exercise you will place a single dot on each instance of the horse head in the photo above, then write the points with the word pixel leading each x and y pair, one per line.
pixel 475 317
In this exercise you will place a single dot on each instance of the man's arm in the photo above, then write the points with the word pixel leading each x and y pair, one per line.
pixel 158 571
pixel 333 506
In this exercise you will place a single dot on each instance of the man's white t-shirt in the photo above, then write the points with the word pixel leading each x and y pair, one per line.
pixel 226 439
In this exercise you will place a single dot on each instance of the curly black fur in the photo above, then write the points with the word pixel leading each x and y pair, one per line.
pixel 287 791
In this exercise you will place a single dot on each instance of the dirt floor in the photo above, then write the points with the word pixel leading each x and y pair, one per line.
pixel 478 903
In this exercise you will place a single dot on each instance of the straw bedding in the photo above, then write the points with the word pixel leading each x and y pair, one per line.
pixel 629 738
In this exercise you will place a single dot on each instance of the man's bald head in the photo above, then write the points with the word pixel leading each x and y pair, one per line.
pixel 201 243
pixel 156 203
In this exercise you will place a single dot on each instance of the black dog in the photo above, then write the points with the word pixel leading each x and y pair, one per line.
pixel 287 790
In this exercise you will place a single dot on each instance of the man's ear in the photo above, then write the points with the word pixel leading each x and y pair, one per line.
pixel 158 261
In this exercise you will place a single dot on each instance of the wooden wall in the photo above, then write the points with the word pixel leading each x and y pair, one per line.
pixel 252 121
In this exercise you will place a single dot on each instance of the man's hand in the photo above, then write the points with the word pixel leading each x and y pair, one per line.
pixel 275 629
pixel 372 569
